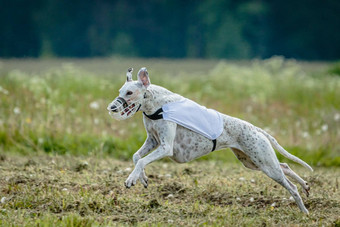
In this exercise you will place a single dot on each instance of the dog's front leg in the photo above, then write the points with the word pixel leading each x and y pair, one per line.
pixel 167 131
pixel 149 144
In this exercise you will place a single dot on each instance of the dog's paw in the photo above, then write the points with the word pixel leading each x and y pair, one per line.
pixel 129 183
pixel 306 189
pixel 131 180
pixel 134 176
pixel 143 179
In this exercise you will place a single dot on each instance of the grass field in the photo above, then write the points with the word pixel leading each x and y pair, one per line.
pixel 89 191
pixel 64 160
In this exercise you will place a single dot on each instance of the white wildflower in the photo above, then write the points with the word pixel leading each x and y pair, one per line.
pixel 252 181
pixel 168 175
pixel 120 171
pixel 337 117
pixel 3 199
pixel 241 178
pixel 94 105
pixel 4 91
pixel 64 189
pixel 128 169
pixel 305 135
pixel 238 199
pixel 170 196
pixel 17 110
pixel 273 204
pixel 324 127
pixel 72 110
pixel 170 221
pixel 298 124
pixel 291 198
pixel 40 140
pixel 251 199
pixel 85 163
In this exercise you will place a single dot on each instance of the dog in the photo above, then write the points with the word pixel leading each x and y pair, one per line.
pixel 168 138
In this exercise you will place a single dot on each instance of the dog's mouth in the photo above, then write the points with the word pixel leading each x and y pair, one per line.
pixel 128 110
pixel 121 110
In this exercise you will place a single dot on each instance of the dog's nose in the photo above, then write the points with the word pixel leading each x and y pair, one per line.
pixel 113 108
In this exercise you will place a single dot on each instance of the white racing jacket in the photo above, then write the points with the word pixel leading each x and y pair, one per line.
pixel 189 114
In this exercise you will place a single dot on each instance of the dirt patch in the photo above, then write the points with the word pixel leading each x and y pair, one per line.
pixel 319 203
pixel 173 188
pixel 30 162
pixel 217 198
pixel 81 166
pixel 2 157
pixel 315 181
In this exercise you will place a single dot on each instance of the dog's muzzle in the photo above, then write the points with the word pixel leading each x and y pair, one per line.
pixel 119 109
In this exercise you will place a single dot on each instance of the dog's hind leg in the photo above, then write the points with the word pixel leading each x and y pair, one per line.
pixel 277 175
pixel 263 156
pixel 289 172
pixel 246 161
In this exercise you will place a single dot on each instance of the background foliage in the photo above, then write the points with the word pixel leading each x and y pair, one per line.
pixel 305 29
pixel 59 107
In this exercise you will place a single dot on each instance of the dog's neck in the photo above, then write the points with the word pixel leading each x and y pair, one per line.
pixel 156 97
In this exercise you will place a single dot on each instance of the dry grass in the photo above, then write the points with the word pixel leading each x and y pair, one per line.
pixel 89 191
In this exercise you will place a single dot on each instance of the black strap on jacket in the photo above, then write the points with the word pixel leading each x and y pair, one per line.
pixel 155 116
pixel 159 115
pixel 214 146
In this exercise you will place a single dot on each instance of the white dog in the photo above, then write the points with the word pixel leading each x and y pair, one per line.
pixel 182 130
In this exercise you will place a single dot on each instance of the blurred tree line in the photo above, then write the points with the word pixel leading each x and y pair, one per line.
pixel 234 29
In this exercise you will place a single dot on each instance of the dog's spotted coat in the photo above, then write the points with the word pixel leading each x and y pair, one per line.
pixel 251 145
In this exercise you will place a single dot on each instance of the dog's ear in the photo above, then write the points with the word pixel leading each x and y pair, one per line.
pixel 143 77
pixel 129 75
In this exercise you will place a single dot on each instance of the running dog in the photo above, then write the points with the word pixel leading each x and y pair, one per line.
pixel 182 130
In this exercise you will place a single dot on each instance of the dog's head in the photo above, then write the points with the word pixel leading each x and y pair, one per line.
pixel 131 95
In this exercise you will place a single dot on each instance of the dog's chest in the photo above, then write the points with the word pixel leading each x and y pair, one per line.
pixel 187 145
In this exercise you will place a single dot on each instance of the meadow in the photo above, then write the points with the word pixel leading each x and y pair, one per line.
pixel 63 160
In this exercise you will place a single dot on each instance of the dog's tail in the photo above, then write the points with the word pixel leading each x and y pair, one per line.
pixel 282 151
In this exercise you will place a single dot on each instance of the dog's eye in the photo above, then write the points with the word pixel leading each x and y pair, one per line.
pixel 129 93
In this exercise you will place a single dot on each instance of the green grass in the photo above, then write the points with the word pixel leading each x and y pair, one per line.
pixel 89 191
pixel 59 106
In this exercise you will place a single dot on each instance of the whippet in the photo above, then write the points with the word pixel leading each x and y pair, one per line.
pixel 167 137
